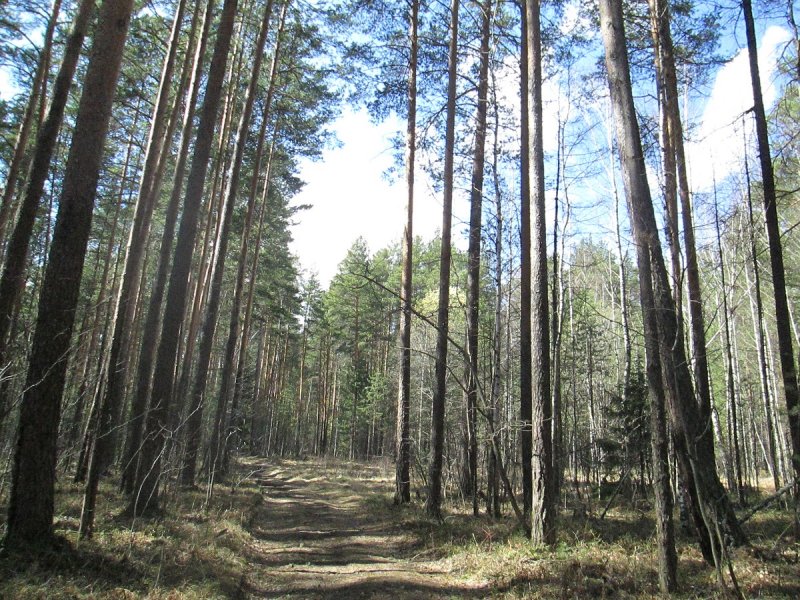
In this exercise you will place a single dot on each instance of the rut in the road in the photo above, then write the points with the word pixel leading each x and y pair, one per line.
pixel 316 536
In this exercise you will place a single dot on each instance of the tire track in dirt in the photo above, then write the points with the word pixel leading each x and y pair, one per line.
pixel 315 536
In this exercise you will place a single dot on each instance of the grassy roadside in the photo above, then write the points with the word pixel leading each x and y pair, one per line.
pixel 188 553
pixel 199 552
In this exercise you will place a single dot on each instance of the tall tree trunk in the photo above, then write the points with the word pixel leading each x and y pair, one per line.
pixel 433 505
pixel 474 253
pixel 659 444
pixel 191 78
pixel 117 376
pixel 716 510
pixel 13 278
pixel 782 320
pixel 525 376
pixel 146 495
pixel 402 492
pixel 30 517
pixel 674 131
pixel 543 508
pixel 215 292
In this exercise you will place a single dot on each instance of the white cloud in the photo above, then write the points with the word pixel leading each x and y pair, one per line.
pixel 350 197
pixel 718 151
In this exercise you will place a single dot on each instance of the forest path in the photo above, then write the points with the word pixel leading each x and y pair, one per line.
pixel 326 530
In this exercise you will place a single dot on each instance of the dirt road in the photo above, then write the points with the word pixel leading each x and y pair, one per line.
pixel 323 533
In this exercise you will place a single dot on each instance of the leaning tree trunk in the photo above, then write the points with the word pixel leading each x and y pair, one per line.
pixel 433 504
pixel 146 495
pixel 110 402
pixel 715 507
pixel 782 317
pixel 659 444
pixel 30 118
pixel 31 505
pixel 13 278
pixel 191 77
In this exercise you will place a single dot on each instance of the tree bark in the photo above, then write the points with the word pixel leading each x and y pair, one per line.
pixel 402 492
pixel 433 505
pixel 146 494
pixel 474 253
pixel 543 508
pixel 31 504
pixel 13 278
pixel 782 318
pixel 659 443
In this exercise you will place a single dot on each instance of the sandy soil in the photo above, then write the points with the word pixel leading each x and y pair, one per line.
pixel 318 534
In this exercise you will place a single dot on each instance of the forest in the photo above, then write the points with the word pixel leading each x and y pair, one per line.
pixel 583 385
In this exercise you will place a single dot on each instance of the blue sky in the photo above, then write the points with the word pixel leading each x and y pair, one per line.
pixel 350 196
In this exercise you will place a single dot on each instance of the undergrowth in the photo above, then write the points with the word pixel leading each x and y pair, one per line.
pixel 199 550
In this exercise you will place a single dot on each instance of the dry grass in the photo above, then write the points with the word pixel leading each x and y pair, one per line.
pixel 192 552
pixel 188 553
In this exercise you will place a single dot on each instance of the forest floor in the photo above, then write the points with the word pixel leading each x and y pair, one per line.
pixel 322 528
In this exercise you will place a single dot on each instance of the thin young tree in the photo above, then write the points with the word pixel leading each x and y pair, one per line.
pixel 494 413
pixel 759 333
pixel 31 504
pixel 782 316
pixel 730 385
pixel 525 375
